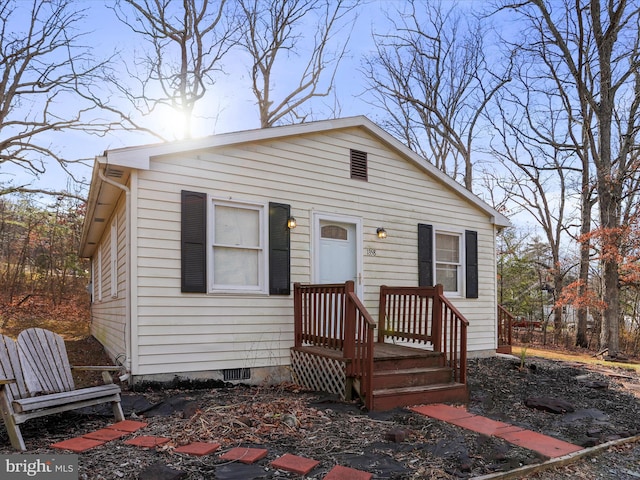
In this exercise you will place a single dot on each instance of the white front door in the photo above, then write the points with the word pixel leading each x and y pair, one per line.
pixel 338 257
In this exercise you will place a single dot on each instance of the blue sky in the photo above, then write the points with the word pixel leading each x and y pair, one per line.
pixel 229 106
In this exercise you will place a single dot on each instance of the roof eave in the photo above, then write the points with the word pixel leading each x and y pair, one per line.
pixel 101 203
pixel 139 157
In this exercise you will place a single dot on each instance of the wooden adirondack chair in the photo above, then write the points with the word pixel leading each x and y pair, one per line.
pixel 36 380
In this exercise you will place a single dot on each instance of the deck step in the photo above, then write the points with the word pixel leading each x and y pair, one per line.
pixel 389 398
pixel 421 360
pixel 411 377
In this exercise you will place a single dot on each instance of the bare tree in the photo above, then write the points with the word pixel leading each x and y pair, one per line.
pixel 38 249
pixel 47 78
pixel 531 139
pixel 188 40
pixel 595 49
pixel 542 135
pixel 275 31
pixel 430 76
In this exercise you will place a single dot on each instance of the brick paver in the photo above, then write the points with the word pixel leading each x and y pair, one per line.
pixel 542 444
pixel 295 464
pixel 147 441
pixel 345 473
pixel 441 411
pixel 105 434
pixel 198 448
pixel 479 424
pixel 245 455
pixel 78 444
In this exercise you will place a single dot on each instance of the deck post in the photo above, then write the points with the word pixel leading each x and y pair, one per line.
pixel 436 318
pixel 463 353
pixel 349 349
pixel 382 313
pixel 297 314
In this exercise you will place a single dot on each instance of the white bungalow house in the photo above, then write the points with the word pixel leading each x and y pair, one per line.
pixel 194 253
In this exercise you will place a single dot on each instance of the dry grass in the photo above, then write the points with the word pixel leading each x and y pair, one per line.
pixel 71 321
pixel 566 356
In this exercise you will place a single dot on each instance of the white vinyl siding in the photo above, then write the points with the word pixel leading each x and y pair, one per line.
pixel 113 253
pixel 93 279
pixel 179 332
pixel 99 274
pixel 108 314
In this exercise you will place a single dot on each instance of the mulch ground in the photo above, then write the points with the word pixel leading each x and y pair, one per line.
pixel 599 405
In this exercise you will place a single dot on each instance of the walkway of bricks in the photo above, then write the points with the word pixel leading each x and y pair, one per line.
pixel 547 446
pixel 288 462
pixel 544 445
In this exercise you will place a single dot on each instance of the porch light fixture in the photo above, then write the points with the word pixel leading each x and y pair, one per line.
pixel 382 233
pixel 291 223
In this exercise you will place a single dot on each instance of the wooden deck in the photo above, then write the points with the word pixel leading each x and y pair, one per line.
pixel 402 375
pixel 381 351
pixel 419 356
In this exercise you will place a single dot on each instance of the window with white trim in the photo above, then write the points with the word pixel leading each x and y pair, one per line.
pixel 238 233
pixel 448 260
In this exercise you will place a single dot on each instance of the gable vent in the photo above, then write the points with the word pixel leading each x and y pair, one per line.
pixel 359 165
pixel 114 172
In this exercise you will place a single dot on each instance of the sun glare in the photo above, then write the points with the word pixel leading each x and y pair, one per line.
pixel 174 125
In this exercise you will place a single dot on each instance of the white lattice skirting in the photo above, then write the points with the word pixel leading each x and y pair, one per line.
pixel 319 373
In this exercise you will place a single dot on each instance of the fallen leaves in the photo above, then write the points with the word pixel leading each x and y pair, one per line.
pixel 255 416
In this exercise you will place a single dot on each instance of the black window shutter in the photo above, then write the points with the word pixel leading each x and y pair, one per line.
pixel 425 255
pixel 279 249
pixel 193 239
pixel 471 259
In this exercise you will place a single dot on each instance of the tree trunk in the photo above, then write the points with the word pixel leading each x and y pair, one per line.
pixel 608 194
pixel 557 309
pixel 609 187
pixel 468 171
pixel 583 285
pixel 582 312
pixel 610 334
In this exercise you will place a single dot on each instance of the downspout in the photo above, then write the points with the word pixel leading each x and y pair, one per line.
pixel 127 300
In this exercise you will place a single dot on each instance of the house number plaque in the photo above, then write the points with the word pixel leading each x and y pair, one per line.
pixel 370 252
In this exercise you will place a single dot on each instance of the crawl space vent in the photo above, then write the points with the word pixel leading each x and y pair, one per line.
pixel 230 374
pixel 359 165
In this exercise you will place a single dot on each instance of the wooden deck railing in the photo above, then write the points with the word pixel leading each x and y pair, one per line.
pixel 408 314
pixel 454 338
pixel 505 326
pixel 424 315
pixel 332 316
pixel 319 315
pixel 358 345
